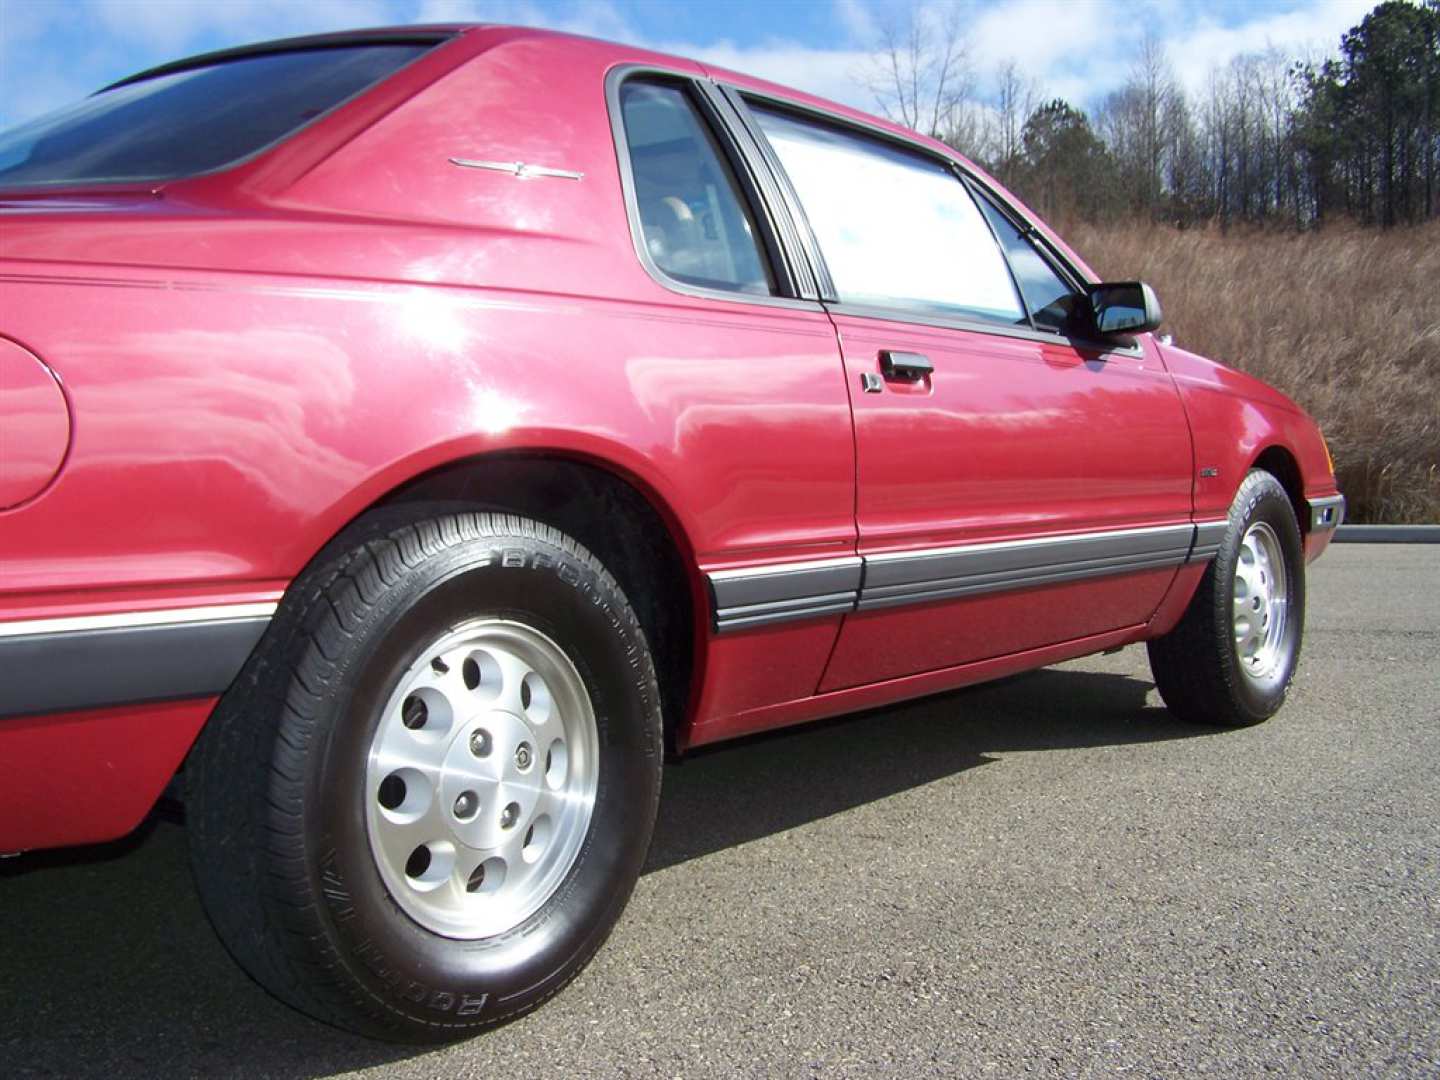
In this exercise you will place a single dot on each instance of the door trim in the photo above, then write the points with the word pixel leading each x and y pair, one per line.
pixel 761 595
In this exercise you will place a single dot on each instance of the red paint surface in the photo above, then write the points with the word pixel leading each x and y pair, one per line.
pixel 34 425
pixel 84 777
pixel 255 357
pixel 888 692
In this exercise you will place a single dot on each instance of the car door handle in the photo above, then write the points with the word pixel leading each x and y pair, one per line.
pixel 904 365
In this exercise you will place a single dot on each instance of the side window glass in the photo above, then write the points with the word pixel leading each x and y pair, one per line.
pixel 693 218
pixel 1051 300
pixel 897 229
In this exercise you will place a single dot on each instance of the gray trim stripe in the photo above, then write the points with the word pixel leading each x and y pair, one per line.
pixel 761 595
pixel 915 576
pixel 56 665
pixel 1209 535
pixel 785 591
pixel 130 619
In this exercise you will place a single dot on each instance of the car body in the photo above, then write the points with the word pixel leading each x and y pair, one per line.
pixel 446 289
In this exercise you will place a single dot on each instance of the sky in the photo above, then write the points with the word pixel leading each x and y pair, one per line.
pixel 53 52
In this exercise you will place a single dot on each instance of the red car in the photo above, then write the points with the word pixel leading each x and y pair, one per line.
pixel 418 433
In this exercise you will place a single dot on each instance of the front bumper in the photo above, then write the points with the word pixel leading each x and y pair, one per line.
pixel 1326 513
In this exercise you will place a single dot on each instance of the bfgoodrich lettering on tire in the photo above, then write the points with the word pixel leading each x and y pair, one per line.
pixel 425 803
pixel 1232 656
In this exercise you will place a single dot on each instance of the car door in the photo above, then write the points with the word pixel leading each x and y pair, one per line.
pixel 1016 487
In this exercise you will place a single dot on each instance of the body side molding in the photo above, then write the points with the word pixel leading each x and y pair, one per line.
pixel 63 664
pixel 1209 535
pixel 767 594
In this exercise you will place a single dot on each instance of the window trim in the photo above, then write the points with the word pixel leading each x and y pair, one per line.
pixel 767 194
pixel 740 98
pixel 344 39
pixel 1028 235
pixel 976 197
pixel 771 239
pixel 979 326
pixel 795 210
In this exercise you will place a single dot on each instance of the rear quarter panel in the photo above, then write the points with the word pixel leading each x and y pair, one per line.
pixel 251 369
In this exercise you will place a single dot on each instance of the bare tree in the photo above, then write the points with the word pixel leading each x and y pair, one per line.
pixel 921 74
pixel 1016 97
pixel 1135 120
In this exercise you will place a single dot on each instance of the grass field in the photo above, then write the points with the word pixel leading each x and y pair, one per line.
pixel 1346 321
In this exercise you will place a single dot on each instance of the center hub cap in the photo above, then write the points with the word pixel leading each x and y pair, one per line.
pixel 496 779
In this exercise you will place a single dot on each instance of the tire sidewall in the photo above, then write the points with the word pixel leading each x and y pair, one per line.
pixel 1261 499
pixel 420 979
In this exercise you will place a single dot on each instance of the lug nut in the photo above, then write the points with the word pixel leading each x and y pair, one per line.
pixel 523 756
pixel 480 742
pixel 466 804
pixel 509 815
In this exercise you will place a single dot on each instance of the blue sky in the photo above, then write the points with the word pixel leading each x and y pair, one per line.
pixel 54 51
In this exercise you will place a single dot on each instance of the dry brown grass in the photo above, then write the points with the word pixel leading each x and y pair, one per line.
pixel 1345 321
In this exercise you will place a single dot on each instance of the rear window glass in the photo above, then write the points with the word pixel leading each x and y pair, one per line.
pixel 193 121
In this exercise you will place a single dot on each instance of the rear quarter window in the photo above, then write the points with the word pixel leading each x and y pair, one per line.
pixel 193 121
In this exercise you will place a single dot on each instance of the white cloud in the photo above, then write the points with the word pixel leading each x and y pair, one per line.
pixel 857 20
pixel 1299 31
pixel 1076 49
pixel 836 74
pixel 1079 50
pixel 1069 47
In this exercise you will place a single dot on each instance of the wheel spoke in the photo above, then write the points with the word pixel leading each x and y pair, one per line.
pixel 398 840
pixel 394 754
pixel 1244 637
pixel 512 678
pixel 469 877
pixel 510 851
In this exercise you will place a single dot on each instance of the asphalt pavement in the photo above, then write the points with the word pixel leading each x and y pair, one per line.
pixel 1046 876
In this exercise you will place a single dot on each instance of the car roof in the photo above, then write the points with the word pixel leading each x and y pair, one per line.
pixel 438 33
pixel 435 33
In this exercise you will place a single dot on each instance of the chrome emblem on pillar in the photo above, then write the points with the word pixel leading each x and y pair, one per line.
pixel 519 169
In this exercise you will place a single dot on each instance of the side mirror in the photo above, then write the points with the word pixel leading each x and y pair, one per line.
pixel 1127 307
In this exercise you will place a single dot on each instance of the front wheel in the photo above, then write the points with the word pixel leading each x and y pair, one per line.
pixel 425 802
pixel 1231 658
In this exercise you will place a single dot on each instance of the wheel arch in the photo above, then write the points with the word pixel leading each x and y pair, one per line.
pixel 621 519
pixel 1280 463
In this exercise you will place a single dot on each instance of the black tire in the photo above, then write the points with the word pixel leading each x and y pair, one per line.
pixel 1197 667
pixel 276 815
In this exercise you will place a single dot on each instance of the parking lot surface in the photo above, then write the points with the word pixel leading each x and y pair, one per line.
pixel 1046 876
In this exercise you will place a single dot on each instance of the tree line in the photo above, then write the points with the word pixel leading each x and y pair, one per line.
pixel 1270 139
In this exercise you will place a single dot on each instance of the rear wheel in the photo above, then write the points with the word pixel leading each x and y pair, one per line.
pixel 427 799
pixel 1232 657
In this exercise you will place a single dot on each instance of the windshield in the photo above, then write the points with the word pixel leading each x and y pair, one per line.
pixel 192 121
